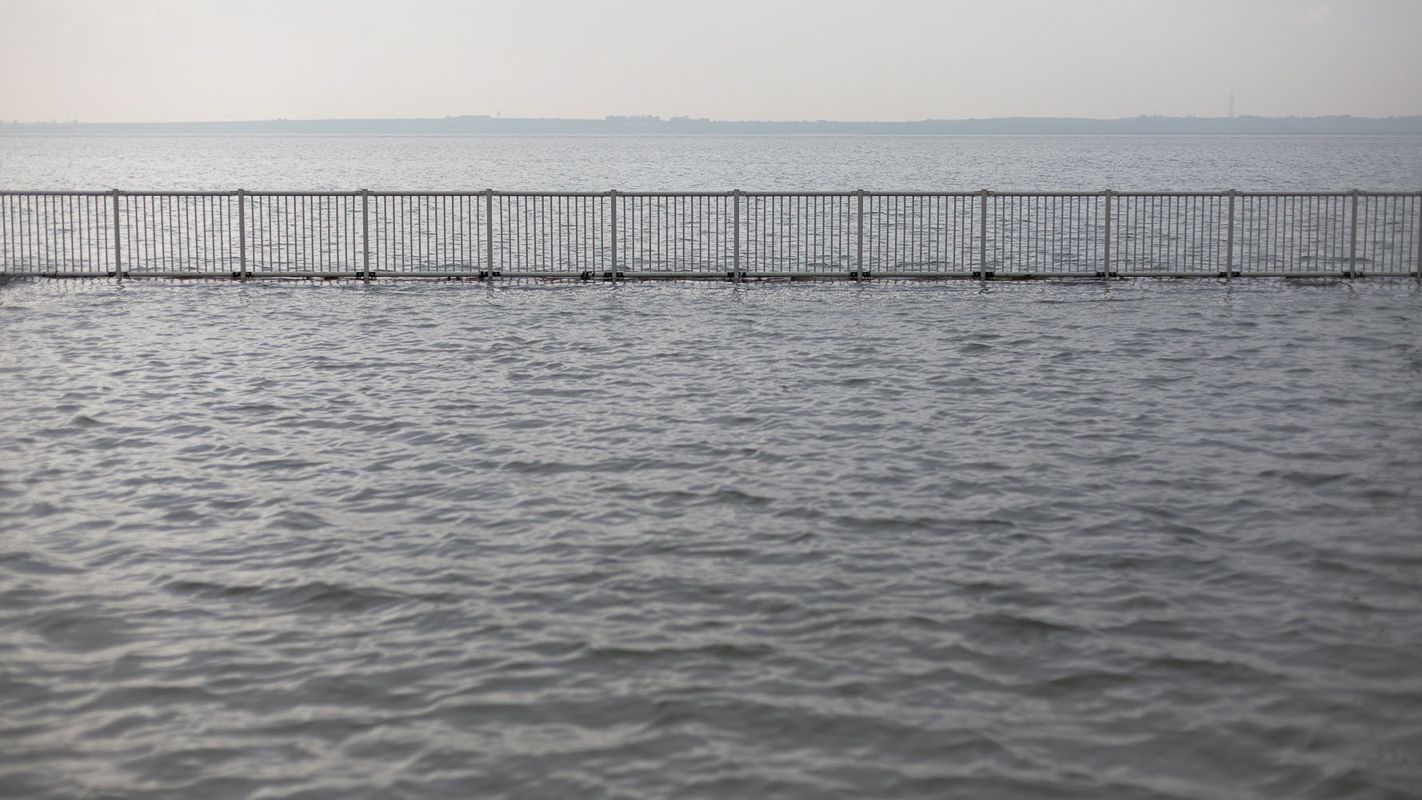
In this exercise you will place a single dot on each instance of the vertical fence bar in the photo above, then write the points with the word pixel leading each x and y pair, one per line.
pixel 1229 239
pixel 151 252
pixel 1106 239
pixel 140 231
pixel 242 234
pixel 736 233
pixel 982 241
pixel 118 249
pixel 365 234
pixel 612 209
pixel 1353 239
pixel 859 240
pixel 489 233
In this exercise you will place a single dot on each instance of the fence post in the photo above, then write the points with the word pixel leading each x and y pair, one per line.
pixel 612 206
pixel 1419 237
pixel 489 233
pixel 1353 236
pixel 242 234
pixel 1106 248
pixel 1353 239
pixel 1229 239
pixel 118 249
pixel 859 239
pixel 982 236
pixel 736 234
pixel 365 233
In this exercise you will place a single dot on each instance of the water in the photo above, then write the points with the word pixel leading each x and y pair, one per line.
pixel 1145 539
pixel 713 163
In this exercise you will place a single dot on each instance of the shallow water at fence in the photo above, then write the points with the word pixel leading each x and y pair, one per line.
pixel 1137 540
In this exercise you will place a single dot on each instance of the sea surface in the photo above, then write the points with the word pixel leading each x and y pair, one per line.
pixel 712 163
pixel 1137 539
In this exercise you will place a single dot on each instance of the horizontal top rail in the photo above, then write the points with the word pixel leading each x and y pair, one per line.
pixel 356 193
pixel 703 193
pixel 79 193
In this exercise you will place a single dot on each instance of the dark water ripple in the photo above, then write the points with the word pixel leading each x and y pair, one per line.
pixel 1151 540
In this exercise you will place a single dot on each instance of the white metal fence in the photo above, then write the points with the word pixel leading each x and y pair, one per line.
pixel 725 235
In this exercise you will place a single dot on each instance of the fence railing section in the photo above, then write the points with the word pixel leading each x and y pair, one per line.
pixel 725 235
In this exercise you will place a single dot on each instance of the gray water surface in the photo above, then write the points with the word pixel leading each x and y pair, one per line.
pixel 1151 539
pixel 713 163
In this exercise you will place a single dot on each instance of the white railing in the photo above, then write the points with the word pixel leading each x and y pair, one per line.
pixel 725 235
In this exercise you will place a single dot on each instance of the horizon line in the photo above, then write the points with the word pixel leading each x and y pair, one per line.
pixel 653 118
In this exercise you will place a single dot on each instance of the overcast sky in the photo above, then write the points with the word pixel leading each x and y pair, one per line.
pixel 192 60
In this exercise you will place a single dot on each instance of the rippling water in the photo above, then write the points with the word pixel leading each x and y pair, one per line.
pixel 713 163
pixel 1141 540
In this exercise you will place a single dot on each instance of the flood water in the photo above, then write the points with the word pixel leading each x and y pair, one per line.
pixel 1137 539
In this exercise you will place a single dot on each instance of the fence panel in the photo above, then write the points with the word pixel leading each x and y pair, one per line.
pixel 302 235
pixel 1293 234
pixel 921 235
pixel 435 235
pixel 180 235
pixel 552 235
pixel 676 235
pixel 56 233
pixel 1389 234
pixel 1170 234
pixel 1045 234
pixel 811 234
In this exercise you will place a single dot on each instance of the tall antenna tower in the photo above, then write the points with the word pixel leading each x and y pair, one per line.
pixel 1231 105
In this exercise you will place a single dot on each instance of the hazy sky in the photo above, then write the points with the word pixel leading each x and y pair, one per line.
pixel 177 60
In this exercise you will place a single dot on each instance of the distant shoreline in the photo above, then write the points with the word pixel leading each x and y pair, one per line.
pixel 1009 126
